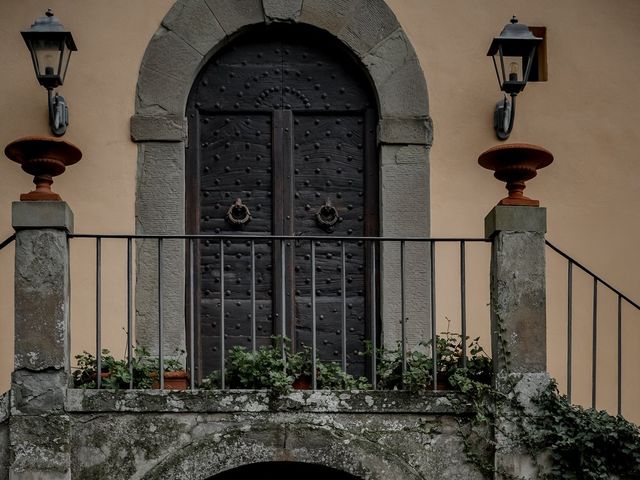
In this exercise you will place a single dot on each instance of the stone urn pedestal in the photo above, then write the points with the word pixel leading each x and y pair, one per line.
pixel 515 164
pixel 44 158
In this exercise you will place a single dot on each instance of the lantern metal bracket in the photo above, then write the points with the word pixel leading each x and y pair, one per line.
pixel 504 116
pixel 58 113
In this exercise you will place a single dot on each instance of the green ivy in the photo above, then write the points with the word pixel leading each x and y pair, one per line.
pixel 583 443
pixel 580 444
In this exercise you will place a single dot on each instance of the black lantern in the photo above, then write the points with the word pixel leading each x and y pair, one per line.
pixel 512 52
pixel 50 46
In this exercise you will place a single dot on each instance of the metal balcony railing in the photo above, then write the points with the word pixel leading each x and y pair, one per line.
pixel 598 285
pixel 398 278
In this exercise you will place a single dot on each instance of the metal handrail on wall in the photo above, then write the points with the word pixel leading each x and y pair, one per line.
pixel 7 241
pixel 621 297
pixel 374 245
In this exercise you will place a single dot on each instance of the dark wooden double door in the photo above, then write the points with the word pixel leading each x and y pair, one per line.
pixel 282 142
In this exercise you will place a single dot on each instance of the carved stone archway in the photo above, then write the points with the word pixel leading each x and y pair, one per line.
pixel 192 32
pixel 326 446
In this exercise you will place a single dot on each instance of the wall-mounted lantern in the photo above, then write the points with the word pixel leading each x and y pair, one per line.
pixel 513 53
pixel 51 46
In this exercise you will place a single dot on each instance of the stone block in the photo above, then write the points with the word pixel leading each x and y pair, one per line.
pixel 160 128
pixel 518 301
pixel 160 94
pixel 511 457
pixel 168 69
pixel 4 436
pixel 516 219
pixel 370 23
pixel 160 210
pixel 404 93
pixel 194 22
pixel 171 56
pixel 4 450
pixel 160 195
pixel 34 393
pixel 416 155
pixel 282 10
pixel 5 399
pixel 40 447
pixel 330 15
pixel 56 215
pixel 405 212
pixel 404 191
pixel 389 55
pixel 41 300
pixel 417 285
pixel 399 131
pixel 147 301
pixel 234 15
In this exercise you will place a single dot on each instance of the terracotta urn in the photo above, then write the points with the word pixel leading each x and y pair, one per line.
pixel 44 158
pixel 514 164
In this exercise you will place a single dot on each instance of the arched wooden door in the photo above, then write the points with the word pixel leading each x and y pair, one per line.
pixel 282 123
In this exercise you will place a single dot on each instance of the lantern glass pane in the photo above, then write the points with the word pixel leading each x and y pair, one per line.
pixel 64 63
pixel 514 69
pixel 47 54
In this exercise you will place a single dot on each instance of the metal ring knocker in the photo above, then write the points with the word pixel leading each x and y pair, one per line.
pixel 327 215
pixel 238 214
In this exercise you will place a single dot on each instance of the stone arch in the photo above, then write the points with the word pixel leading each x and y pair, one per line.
pixel 279 469
pixel 190 34
pixel 326 446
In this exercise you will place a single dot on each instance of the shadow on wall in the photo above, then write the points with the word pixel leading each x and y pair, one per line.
pixel 283 471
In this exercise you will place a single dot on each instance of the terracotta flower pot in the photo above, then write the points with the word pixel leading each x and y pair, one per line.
pixel 515 163
pixel 44 158
pixel 302 383
pixel 172 380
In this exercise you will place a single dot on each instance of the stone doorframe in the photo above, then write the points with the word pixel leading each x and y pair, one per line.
pixel 190 34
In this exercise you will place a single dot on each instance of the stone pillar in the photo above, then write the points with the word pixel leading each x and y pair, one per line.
pixel 39 427
pixel 518 322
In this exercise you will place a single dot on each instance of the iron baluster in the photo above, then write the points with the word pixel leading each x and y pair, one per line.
pixel 98 312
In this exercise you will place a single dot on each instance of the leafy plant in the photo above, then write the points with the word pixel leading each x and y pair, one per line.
pixel 418 371
pixel 582 443
pixel 115 373
pixel 575 443
pixel 279 368
pixel 173 364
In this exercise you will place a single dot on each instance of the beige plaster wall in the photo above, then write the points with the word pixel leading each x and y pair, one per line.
pixel 586 114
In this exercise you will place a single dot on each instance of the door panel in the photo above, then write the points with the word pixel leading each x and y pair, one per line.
pixel 281 119
pixel 329 167
pixel 235 163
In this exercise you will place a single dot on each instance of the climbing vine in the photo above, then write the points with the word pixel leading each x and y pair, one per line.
pixel 575 443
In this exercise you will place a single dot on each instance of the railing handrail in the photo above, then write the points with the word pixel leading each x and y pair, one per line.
pixel 7 241
pixel 278 237
pixel 590 272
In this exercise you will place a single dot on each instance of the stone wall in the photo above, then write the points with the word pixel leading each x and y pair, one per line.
pixel 177 435
pixel 4 436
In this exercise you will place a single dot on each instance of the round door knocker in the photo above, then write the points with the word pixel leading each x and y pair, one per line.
pixel 238 214
pixel 327 215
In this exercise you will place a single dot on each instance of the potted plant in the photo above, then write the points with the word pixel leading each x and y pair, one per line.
pixel 114 374
pixel 418 371
pixel 175 375
pixel 280 370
